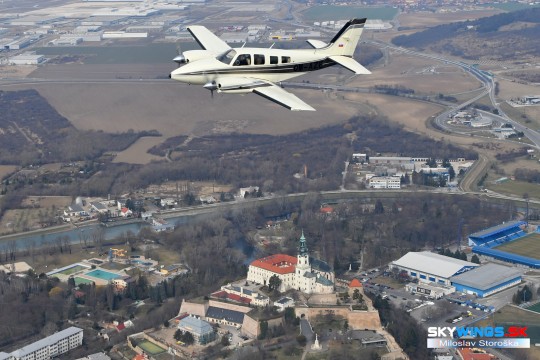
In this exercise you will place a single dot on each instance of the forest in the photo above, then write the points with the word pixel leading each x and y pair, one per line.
pixel 32 132
pixel 271 161
pixel 502 36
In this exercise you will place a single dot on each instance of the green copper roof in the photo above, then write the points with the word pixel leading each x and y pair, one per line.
pixel 302 248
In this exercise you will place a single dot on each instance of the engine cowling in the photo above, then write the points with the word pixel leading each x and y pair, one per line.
pixel 236 85
pixel 192 55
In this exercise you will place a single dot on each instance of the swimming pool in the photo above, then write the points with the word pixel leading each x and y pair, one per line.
pixel 102 274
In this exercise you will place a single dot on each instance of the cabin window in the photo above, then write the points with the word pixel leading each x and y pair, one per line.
pixel 285 59
pixel 258 59
pixel 273 60
pixel 243 59
pixel 227 56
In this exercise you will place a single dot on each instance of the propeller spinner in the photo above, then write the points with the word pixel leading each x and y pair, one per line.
pixel 212 86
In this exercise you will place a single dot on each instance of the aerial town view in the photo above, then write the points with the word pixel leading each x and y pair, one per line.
pixel 295 179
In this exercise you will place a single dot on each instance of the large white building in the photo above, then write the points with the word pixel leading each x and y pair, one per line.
pixel 27 59
pixel 430 267
pixel 49 347
pixel 303 273
pixel 385 182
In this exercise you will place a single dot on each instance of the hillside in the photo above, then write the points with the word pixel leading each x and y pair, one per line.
pixel 33 132
pixel 503 37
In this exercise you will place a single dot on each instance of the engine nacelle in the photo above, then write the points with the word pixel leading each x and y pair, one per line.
pixel 235 85
pixel 192 55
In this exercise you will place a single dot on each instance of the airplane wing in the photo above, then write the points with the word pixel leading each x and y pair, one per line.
pixel 263 88
pixel 284 98
pixel 208 40
pixel 350 63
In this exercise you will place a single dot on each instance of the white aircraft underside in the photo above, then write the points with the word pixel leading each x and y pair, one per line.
pixel 243 70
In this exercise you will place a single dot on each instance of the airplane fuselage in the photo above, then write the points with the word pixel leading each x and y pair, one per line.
pixel 273 65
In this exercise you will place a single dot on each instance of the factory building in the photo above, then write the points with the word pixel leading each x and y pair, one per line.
pixel 27 59
pixel 486 280
pixel 430 267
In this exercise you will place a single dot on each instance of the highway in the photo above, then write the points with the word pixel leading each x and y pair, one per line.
pixel 489 89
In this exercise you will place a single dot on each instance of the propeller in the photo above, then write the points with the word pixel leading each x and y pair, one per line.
pixel 179 58
pixel 212 86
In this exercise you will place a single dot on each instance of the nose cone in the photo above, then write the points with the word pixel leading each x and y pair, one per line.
pixel 179 74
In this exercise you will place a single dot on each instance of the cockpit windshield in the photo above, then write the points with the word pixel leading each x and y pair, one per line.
pixel 227 56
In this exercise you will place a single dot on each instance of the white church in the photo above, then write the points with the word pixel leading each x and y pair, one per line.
pixel 302 273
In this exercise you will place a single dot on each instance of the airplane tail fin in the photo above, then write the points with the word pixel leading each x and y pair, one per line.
pixel 345 41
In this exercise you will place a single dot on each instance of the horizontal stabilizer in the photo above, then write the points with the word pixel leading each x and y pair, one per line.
pixel 317 44
pixel 350 63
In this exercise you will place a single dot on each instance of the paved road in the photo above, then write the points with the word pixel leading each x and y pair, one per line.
pixel 472 176
pixel 487 82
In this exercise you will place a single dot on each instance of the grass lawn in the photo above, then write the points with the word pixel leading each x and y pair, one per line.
pixel 80 280
pixel 72 270
pixel 165 256
pixel 528 246
pixel 511 315
pixel 322 323
pixel 518 114
pixel 516 188
pixel 114 266
pixel 288 352
pixel 388 281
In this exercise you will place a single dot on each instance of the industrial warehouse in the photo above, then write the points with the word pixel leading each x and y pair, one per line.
pixel 440 275
pixel 486 280
pixel 430 267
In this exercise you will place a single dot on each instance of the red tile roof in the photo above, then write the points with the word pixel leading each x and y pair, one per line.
pixel 279 263
pixel 238 298
pixel 181 316
pixel 234 297
pixel 468 354
pixel 355 283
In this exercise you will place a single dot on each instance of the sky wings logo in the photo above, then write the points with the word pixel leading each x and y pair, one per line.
pixel 480 337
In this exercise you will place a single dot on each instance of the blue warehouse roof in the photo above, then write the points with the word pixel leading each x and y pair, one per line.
pixel 487 276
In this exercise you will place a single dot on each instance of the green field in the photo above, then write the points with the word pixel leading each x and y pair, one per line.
pixel 72 270
pixel 332 12
pixel 528 246
pixel 150 348
pixel 516 188
pixel 80 280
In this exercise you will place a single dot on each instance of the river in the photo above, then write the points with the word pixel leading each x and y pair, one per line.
pixel 111 232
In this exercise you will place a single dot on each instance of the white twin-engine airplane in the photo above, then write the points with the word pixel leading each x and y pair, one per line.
pixel 244 70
